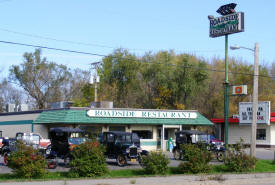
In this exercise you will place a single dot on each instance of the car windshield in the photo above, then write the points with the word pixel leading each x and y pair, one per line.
pixel 31 139
pixel 124 138
pixel 77 141
pixel 203 138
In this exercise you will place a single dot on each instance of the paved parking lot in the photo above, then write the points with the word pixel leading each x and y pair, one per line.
pixel 261 153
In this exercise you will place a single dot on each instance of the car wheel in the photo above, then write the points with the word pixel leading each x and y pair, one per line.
pixel 140 160
pixel 5 158
pixel 121 160
pixel 220 156
pixel 67 160
pixel 177 154
pixel 52 164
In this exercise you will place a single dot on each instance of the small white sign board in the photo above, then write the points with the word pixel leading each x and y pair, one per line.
pixel 246 112
pixel 239 90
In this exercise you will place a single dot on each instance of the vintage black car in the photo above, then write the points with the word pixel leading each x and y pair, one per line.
pixel 29 139
pixel 63 140
pixel 197 137
pixel 122 146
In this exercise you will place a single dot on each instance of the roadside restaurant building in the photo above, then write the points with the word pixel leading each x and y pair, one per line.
pixel 154 127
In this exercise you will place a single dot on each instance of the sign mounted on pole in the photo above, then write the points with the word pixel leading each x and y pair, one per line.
pixel 228 24
pixel 239 90
pixel 246 112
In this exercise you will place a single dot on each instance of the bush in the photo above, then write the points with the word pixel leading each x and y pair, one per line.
pixel 237 160
pixel 196 158
pixel 26 162
pixel 155 163
pixel 88 160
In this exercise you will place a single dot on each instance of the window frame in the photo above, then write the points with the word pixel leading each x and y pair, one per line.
pixel 261 136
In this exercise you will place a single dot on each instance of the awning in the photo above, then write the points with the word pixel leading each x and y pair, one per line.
pixel 81 117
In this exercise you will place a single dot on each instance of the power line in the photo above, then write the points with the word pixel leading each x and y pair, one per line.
pixel 101 55
pixel 90 44
pixel 54 39
pixel 50 48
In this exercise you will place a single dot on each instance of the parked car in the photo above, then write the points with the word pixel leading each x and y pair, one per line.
pixel 197 137
pixel 63 140
pixel 122 146
pixel 29 139
pixel 43 143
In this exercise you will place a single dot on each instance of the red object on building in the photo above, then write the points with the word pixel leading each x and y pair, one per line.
pixel 236 120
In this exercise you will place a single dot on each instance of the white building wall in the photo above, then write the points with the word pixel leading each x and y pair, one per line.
pixel 272 134
pixel 19 117
pixel 11 130
pixel 236 131
pixel 42 130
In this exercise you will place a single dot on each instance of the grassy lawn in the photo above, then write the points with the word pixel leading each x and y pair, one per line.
pixel 261 166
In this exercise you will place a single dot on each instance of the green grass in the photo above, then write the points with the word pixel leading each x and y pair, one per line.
pixel 261 167
pixel 265 166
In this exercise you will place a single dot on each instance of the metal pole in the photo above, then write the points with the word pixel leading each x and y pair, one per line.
pixel 95 81
pixel 162 138
pixel 255 101
pixel 226 93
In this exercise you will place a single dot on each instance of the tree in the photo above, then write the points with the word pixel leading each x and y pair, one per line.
pixel 9 95
pixel 86 96
pixel 39 78
pixel 118 74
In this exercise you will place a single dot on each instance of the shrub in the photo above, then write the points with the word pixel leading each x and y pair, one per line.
pixel 26 162
pixel 197 159
pixel 155 163
pixel 88 160
pixel 237 160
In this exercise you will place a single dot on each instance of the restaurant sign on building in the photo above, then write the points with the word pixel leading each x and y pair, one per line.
pixel 120 113
pixel 228 24
pixel 246 112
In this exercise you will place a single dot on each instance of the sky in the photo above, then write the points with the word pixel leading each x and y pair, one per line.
pixel 100 27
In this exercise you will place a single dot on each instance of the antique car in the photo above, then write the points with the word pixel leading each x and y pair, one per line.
pixel 122 146
pixel 63 140
pixel 29 139
pixel 197 137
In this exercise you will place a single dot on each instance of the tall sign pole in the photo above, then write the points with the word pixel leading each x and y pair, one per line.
pixel 255 101
pixel 230 22
pixel 226 92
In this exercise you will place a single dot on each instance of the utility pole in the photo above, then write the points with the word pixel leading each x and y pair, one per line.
pixel 255 101
pixel 95 79
pixel 226 93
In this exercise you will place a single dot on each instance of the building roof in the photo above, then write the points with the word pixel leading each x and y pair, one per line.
pixel 81 117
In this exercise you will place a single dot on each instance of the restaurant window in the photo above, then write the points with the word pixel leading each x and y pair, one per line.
pixel 144 134
pixel 261 134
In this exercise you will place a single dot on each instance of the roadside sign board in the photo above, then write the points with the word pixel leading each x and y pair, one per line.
pixel 246 112
pixel 239 90
pixel 228 24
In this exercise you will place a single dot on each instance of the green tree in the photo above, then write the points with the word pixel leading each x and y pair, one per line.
pixel 119 74
pixel 44 81
pixel 86 97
